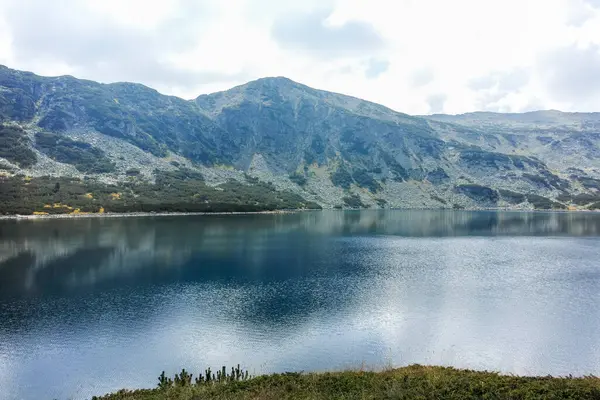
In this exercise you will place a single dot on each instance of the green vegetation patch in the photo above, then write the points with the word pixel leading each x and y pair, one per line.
pixel 399 173
pixel 363 179
pixel 342 178
pixel 590 183
pixel 478 192
pixel 315 151
pixel 15 146
pixel 581 199
pixel 544 203
pixel 484 158
pixel 438 199
pixel 478 157
pixel 354 144
pixel 512 197
pixel 353 201
pixel 538 202
pixel 298 178
pixel 437 176
pixel 413 382
pixel 547 180
pixel 381 202
pixel 83 156
pixel 133 172
pixel 594 206
pixel 173 191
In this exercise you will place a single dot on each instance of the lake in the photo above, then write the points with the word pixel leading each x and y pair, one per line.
pixel 89 306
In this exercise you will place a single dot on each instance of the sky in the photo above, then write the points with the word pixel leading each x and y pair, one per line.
pixel 414 56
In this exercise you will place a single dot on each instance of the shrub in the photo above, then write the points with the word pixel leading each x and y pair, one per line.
pixel 478 192
pixel 353 201
pixel 590 183
pixel 512 197
pixel 363 179
pixel 298 178
pixel 381 202
pixel 399 173
pixel 547 180
pixel 437 176
pixel 83 156
pixel 438 199
pixel 132 172
pixel 342 178
pixel 184 378
pixel 594 206
pixel 15 146
pixel 181 191
pixel 544 203
pixel 581 199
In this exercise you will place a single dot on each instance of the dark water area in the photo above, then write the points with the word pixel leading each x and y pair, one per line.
pixel 89 306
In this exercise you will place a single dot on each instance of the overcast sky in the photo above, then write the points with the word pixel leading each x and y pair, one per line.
pixel 415 56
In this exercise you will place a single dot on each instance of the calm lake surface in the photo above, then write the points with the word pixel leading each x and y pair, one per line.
pixel 88 306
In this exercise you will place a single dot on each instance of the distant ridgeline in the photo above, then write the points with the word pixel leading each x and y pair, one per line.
pixel 70 145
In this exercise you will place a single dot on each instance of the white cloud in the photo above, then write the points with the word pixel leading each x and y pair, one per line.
pixel 436 103
pixel 499 55
pixel 421 77
pixel 313 33
pixel 572 74
pixel 376 67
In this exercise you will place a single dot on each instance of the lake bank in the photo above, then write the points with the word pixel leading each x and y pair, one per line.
pixel 175 214
pixel 138 214
pixel 412 382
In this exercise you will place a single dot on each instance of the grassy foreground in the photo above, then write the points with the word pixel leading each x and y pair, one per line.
pixel 413 382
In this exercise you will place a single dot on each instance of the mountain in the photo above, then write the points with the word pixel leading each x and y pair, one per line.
pixel 71 145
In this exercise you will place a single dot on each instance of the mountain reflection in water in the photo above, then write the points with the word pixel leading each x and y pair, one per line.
pixel 93 305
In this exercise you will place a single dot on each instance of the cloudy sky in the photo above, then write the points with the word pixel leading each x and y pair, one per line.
pixel 415 56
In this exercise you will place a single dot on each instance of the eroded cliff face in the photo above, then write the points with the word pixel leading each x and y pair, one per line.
pixel 324 148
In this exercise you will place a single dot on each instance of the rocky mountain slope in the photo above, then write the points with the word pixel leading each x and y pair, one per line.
pixel 274 143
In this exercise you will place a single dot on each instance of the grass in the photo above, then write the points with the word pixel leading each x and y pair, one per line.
pixel 413 382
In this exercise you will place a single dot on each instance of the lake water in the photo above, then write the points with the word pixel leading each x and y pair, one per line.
pixel 88 306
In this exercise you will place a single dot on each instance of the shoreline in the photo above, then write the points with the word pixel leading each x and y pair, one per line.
pixel 28 217
pixel 140 214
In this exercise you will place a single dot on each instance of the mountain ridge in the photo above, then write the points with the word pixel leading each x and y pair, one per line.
pixel 284 78
pixel 323 147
